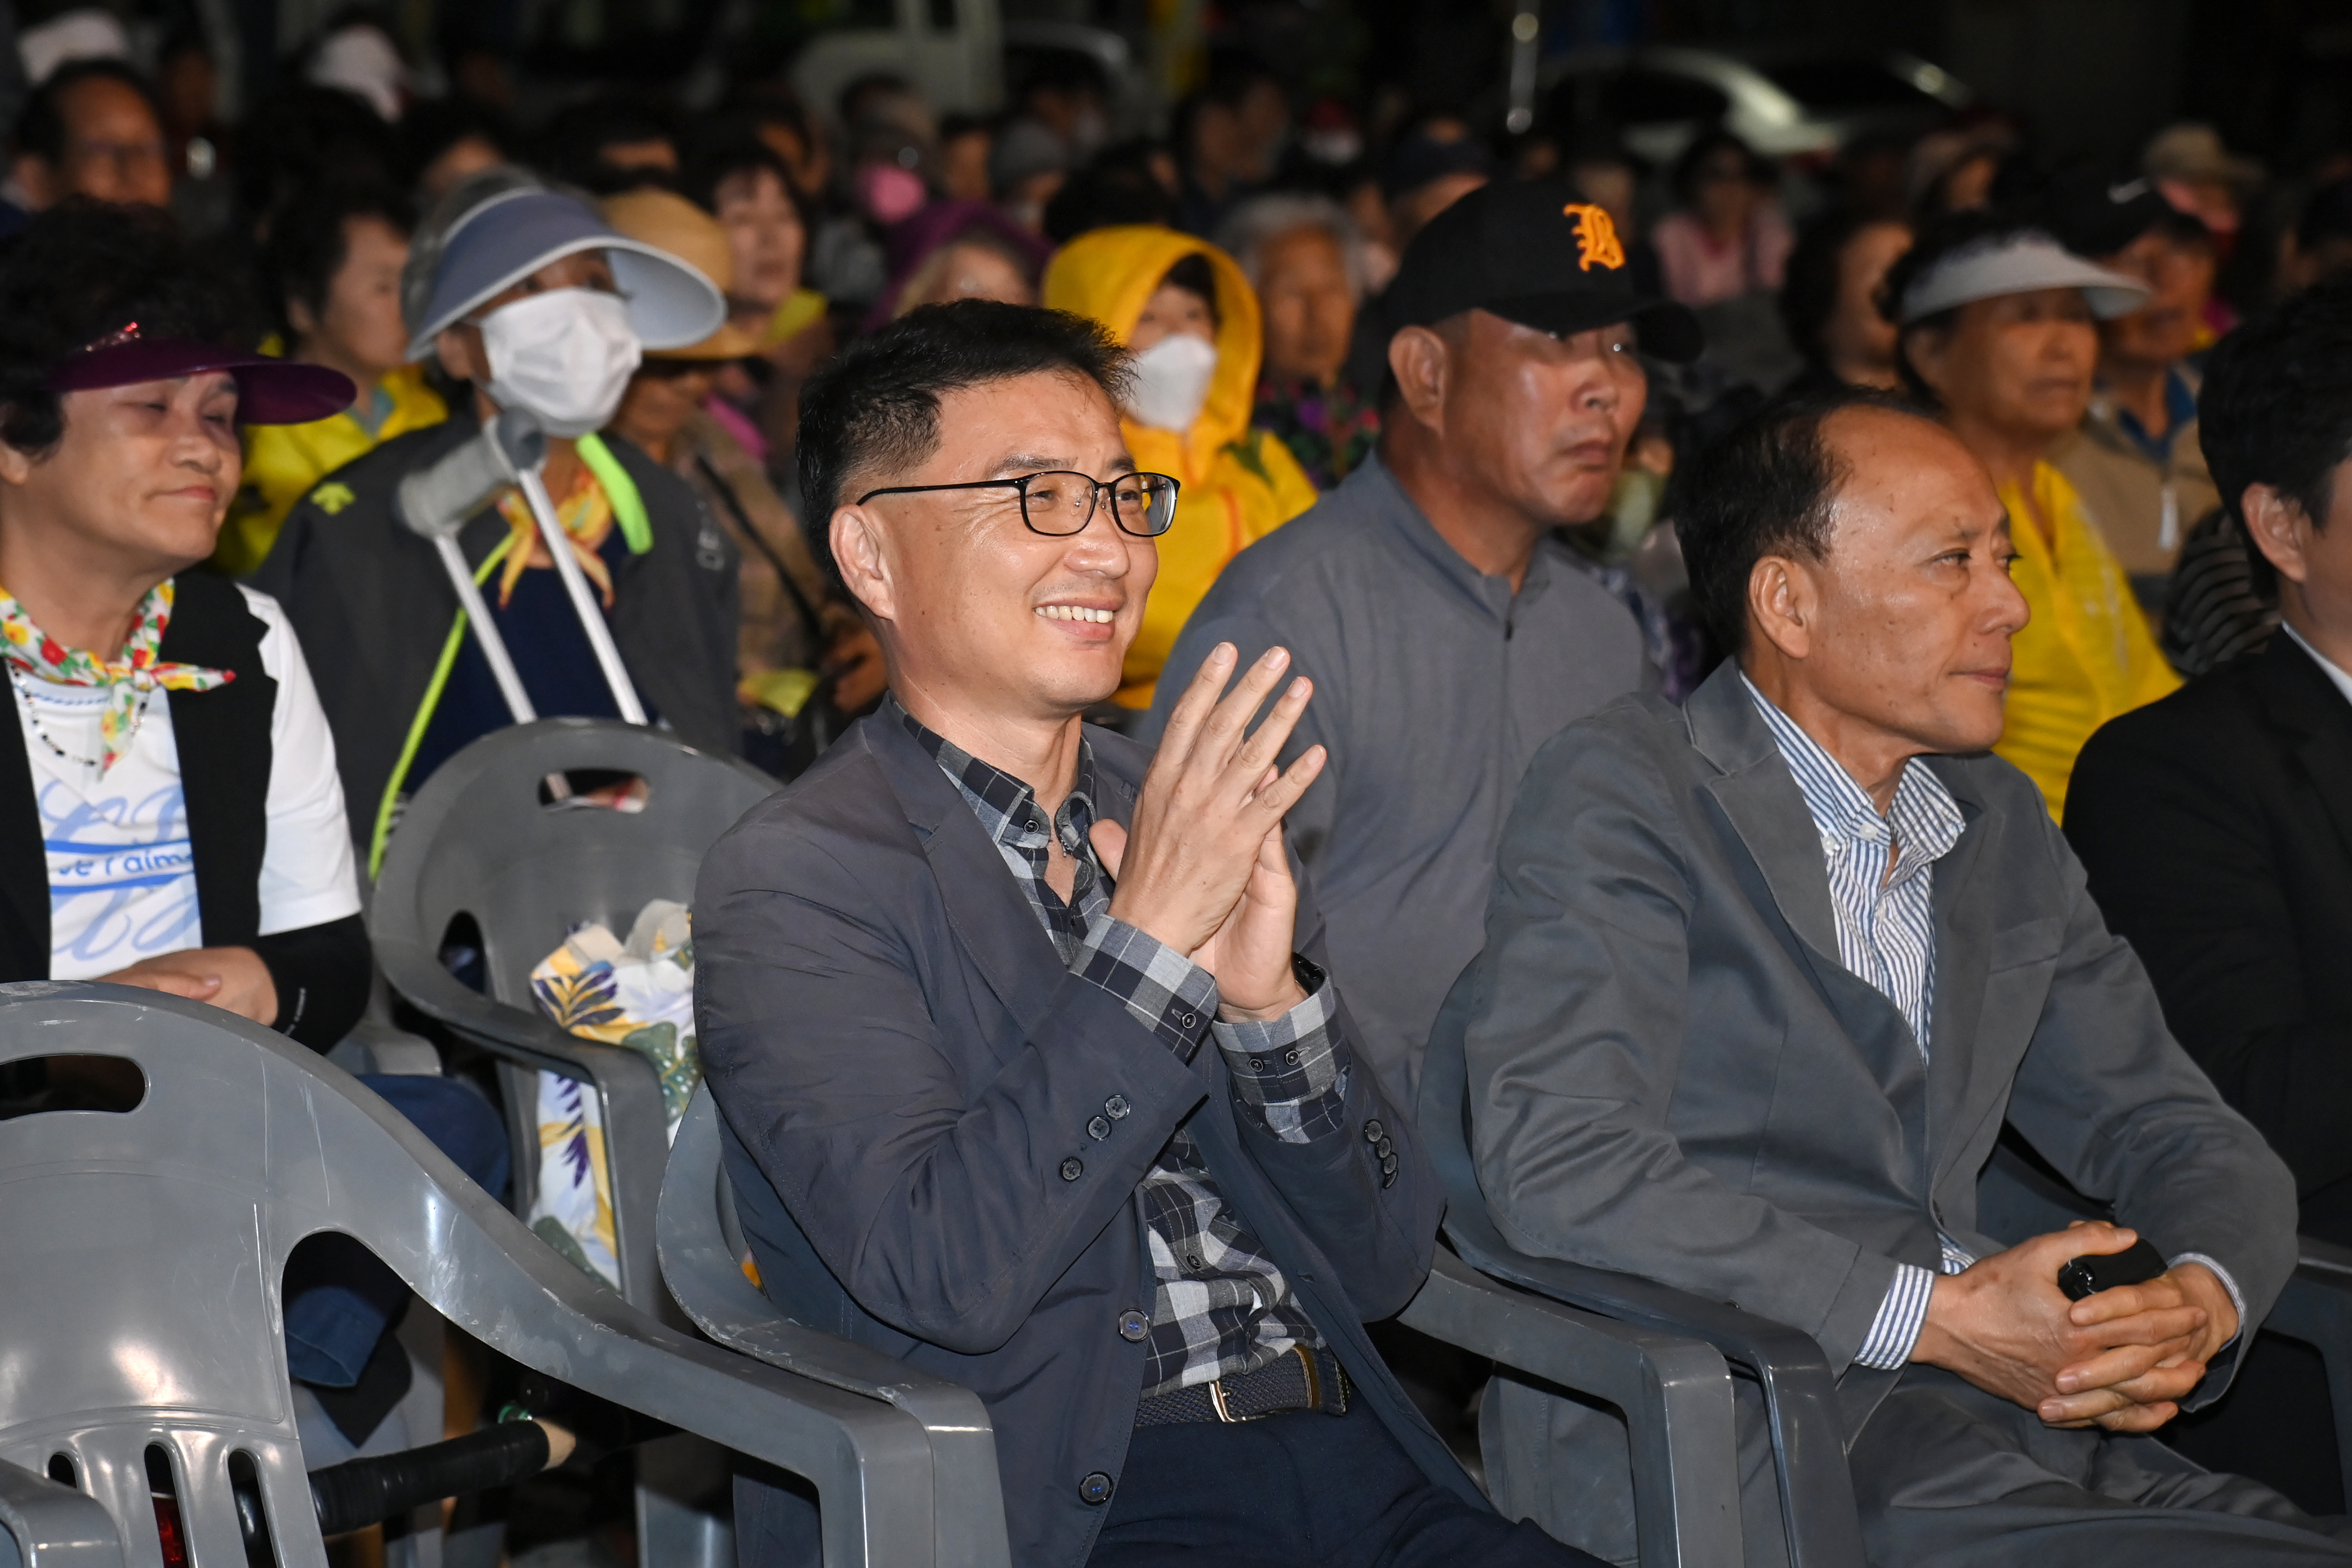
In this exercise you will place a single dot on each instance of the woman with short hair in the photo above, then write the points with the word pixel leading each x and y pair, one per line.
pixel 170 818
pixel 1998 329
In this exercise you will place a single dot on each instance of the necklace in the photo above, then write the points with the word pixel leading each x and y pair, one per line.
pixel 33 718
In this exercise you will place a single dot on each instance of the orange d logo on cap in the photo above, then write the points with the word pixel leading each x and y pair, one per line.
pixel 1596 237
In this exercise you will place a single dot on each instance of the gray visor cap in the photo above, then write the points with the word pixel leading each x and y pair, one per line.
pixel 2020 264
pixel 670 305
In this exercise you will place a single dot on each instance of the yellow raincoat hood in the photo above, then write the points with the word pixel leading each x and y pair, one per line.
pixel 1240 484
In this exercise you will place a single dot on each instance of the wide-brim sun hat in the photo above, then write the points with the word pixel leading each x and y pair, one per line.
pixel 2022 263
pixel 505 238
pixel 676 227
pixel 268 391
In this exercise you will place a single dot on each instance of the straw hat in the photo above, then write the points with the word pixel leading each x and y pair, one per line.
pixel 669 222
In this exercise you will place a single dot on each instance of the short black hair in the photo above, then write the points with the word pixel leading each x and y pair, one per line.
pixel 711 164
pixel 2276 406
pixel 1809 288
pixel 1765 487
pixel 41 129
pixel 1706 145
pixel 572 145
pixel 875 409
pixel 308 240
pixel 79 272
pixel 1197 278
pixel 1119 187
pixel 1936 239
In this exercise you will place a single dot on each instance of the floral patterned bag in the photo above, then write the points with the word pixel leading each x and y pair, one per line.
pixel 638 995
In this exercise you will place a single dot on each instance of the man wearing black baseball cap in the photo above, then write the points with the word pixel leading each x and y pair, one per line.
pixel 1448 633
pixel 2136 461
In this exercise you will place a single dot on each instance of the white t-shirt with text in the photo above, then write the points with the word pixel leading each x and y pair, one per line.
pixel 123 882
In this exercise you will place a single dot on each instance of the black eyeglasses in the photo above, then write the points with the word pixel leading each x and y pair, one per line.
pixel 1061 504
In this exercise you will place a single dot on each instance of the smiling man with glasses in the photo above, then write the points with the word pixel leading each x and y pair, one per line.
pixel 1030 1071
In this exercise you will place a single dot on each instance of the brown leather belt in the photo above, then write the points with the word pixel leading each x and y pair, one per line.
pixel 1298 1379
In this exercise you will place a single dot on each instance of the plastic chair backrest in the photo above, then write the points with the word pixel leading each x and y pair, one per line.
pixel 142 1301
pixel 702 1253
pixel 479 840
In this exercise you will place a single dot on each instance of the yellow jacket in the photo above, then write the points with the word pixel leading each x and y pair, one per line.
pixel 1240 484
pixel 2087 655
pixel 282 462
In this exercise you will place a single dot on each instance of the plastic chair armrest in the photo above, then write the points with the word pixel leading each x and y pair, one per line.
pixel 50 1526
pixel 1673 1392
pixel 1806 1423
pixel 385 1049
pixel 2315 1307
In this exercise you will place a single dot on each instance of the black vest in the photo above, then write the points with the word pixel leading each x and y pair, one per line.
pixel 222 736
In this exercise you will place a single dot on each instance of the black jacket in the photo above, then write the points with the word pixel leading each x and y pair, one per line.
pixel 226 756
pixel 374 608
pixel 2217 829
pixel 906 1073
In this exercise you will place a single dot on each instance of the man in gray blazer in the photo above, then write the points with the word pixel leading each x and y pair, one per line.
pixel 1765 976
pixel 1029 1072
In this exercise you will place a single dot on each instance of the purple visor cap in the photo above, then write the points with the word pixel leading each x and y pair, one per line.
pixel 268 391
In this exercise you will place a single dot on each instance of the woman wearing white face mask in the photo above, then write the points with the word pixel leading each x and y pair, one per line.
pixel 1191 319
pixel 531 298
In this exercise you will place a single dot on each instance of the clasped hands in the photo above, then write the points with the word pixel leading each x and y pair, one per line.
pixel 1202 870
pixel 2121 1359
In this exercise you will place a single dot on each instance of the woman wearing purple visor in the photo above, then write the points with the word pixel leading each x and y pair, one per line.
pixel 170 815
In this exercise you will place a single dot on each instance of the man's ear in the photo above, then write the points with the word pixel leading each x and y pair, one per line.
pixel 861 552
pixel 1781 605
pixel 1422 362
pixel 32 174
pixel 15 465
pixel 2277 525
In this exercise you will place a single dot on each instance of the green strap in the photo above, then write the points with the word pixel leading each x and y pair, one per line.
pixel 628 507
pixel 423 720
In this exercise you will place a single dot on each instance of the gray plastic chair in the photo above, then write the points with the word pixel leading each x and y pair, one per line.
pixel 143 1320
pixel 476 841
pixel 1677 1392
pixel 1807 1432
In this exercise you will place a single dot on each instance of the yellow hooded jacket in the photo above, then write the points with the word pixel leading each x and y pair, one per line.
pixel 1240 484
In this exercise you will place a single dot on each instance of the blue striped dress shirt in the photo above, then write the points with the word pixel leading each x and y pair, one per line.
pixel 1886 936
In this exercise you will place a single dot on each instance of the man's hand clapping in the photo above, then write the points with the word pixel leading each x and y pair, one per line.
pixel 2121 1359
pixel 1203 872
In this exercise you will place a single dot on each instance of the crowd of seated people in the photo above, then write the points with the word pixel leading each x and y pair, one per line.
pixel 1213 558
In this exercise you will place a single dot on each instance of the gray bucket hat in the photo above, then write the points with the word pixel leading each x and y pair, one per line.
pixel 2020 263
pixel 512 232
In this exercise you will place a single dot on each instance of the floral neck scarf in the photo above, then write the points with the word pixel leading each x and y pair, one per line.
pixel 586 515
pixel 131 679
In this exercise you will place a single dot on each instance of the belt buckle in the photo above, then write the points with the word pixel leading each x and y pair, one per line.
pixel 1217 1403
pixel 1314 1391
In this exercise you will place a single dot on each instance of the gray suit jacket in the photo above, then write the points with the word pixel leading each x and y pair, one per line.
pixel 906 1073
pixel 1671 1074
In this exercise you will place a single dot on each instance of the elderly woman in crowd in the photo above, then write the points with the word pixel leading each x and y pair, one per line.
pixel 1728 237
pixel 802 652
pixel 170 810
pixel 2000 330
pixel 959 250
pixel 532 298
pixel 1305 258
pixel 742 182
pixel 1830 301
pixel 1191 319
pixel 333 261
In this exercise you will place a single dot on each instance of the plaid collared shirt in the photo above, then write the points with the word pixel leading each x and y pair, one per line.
pixel 1221 1307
